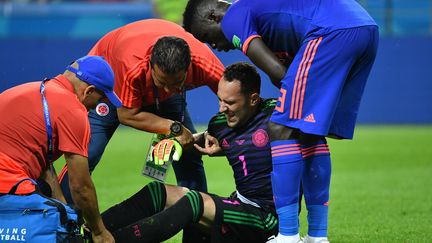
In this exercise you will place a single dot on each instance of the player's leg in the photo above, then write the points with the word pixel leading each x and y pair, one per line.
pixel 150 200
pixel 316 184
pixel 286 175
pixel 194 207
pixel 308 99
pixel 345 116
pixel 336 86
pixel 189 170
pixel 103 123
pixel 290 118
pixel 302 105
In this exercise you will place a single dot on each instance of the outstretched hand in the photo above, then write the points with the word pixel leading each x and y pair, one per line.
pixel 211 145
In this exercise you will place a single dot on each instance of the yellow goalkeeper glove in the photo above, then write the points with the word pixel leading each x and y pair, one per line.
pixel 166 150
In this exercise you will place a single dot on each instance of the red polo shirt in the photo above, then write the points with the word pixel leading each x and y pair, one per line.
pixel 128 50
pixel 23 137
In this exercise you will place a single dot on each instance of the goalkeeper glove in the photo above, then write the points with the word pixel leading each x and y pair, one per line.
pixel 166 150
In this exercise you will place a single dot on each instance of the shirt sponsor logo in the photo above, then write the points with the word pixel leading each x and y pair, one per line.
pixel 102 109
pixel 260 138
pixel 236 42
pixel 12 234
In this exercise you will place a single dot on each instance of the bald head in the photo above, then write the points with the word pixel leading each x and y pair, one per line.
pixel 203 19
pixel 198 12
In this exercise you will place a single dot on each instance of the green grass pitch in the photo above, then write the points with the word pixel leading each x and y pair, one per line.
pixel 381 189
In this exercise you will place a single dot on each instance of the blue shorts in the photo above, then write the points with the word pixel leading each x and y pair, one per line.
pixel 322 90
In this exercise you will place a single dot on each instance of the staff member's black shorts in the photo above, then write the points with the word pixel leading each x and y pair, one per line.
pixel 236 221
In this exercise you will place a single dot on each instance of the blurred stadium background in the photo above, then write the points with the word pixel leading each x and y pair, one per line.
pixel 381 186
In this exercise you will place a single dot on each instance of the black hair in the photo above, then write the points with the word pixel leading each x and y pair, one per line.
pixel 250 80
pixel 192 13
pixel 171 54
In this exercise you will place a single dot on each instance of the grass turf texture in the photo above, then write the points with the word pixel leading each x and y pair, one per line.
pixel 381 187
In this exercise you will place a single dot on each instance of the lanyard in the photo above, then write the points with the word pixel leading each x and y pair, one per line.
pixel 49 133
pixel 47 120
pixel 157 102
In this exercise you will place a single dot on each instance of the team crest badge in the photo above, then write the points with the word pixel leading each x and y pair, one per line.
pixel 260 138
pixel 102 109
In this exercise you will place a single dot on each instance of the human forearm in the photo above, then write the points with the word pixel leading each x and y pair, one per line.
pixel 84 196
pixel 83 191
pixel 50 176
pixel 150 122
pixel 144 121
pixel 264 58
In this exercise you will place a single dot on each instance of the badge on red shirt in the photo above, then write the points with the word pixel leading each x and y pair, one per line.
pixel 102 109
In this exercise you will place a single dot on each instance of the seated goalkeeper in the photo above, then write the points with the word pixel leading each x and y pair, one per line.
pixel 159 211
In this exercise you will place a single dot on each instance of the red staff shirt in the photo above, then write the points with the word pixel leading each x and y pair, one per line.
pixel 128 50
pixel 23 137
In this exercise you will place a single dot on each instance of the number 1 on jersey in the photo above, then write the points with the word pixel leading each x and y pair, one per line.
pixel 242 159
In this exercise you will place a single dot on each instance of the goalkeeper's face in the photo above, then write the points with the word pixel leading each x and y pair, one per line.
pixel 236 106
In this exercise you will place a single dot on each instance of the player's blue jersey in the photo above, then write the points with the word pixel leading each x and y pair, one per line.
pixel 248 151
pixel 284 25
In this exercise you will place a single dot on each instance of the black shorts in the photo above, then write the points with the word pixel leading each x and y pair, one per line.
pixel 236 221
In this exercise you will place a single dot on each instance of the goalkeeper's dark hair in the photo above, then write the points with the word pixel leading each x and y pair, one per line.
pixel 194 12
pixel 171 54
pixel 250 80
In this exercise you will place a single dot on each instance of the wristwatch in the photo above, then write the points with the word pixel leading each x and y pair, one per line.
pixel 175 128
